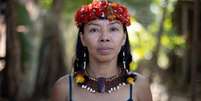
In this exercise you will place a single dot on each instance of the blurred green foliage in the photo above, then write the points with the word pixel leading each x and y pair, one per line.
pixel 23 25
pixel 45 4
pixel 143 34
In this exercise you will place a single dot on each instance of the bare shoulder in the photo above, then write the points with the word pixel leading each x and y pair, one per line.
pixel 59 91
pixel 62 80
pixel 142 87
pixel 141 80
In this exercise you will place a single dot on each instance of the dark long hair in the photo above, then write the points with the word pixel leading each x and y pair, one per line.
pixel 80 50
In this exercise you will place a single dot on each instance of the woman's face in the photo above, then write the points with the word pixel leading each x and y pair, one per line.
pixel 103 39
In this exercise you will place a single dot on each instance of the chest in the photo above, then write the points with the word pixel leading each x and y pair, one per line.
pixel 122 94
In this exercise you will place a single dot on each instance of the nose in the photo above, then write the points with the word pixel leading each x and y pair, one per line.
pixel 104 37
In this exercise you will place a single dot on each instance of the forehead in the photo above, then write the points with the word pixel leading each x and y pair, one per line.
pixel 103 22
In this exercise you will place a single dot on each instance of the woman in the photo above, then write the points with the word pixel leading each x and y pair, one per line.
pixel 101 68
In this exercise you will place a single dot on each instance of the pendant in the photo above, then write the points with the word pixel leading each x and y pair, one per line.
pixel 101 84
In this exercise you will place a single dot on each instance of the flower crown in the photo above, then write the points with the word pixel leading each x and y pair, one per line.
pixel 102 9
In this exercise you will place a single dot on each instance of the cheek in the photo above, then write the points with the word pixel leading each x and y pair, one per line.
pixel 118 41
pixel 91 42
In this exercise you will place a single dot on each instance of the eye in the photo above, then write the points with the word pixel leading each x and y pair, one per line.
pixel 114 29
pixel 93 30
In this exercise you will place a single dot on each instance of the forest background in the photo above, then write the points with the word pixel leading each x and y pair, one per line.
pixel 37 43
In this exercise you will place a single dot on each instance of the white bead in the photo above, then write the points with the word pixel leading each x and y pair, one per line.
pixel 118 87
pixel 93 91
pixel 114 88
pixel 124 84
pixel 88 88
pixel 83 86
pixel 111 89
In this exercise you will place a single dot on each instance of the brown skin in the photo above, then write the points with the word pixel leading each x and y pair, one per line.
pixel 104 40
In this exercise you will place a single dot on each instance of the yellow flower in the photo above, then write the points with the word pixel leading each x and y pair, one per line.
pixel 130 80
pixel 111 17
pixel 114 4
pixel 79 78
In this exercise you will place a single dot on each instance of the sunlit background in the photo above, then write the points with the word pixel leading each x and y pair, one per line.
pixel 37 42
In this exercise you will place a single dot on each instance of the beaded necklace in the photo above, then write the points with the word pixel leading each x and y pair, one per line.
pixel 104 85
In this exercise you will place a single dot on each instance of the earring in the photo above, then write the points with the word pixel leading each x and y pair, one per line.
pixel 124 62
pixel 84 67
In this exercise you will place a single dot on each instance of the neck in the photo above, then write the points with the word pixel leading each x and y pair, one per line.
pixel 102 69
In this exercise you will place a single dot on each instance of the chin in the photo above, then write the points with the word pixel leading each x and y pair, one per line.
pixel 105 58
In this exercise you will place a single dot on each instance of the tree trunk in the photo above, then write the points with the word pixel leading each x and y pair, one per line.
pixel 11 73
pixel 51 64
pixel 185 30
pixel 160 33
pixel 154 67
pixel 30 70
pixel 195 50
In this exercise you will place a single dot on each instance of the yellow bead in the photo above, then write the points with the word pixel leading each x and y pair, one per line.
pixel 130 80
pixel 79 78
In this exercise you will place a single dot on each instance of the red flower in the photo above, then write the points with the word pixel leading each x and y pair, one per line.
pixel 99 9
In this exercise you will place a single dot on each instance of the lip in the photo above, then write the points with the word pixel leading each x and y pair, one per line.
pixel 104 50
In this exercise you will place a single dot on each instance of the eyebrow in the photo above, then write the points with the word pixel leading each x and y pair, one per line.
pixel 115 22
pixel 111 23
pixel 93 24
